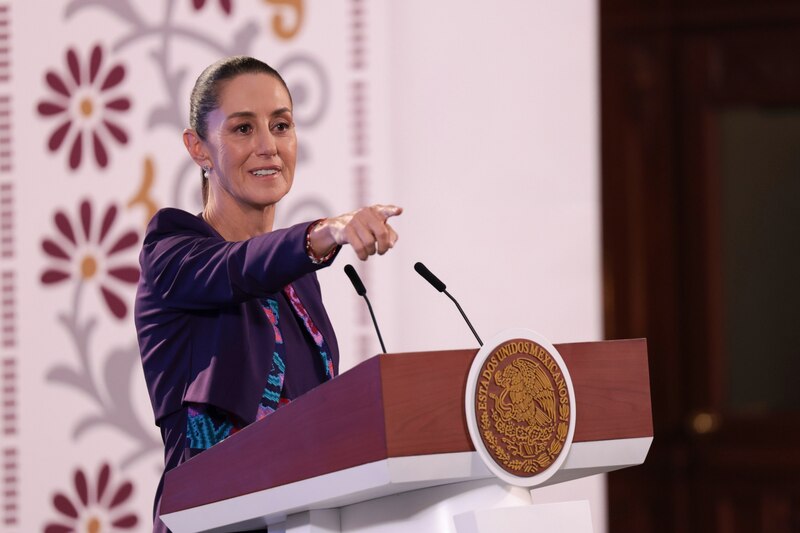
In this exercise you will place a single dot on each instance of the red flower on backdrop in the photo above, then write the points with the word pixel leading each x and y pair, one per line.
pixel 226 5
pixel 93 509
pixel 85 100
pixel 88 254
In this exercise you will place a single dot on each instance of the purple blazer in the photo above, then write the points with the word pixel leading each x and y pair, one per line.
pixel 203 335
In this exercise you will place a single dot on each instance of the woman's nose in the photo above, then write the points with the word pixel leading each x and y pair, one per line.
pixel 267 146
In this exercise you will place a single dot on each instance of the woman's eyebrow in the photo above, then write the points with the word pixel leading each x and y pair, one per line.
pixel 250 114
pixel 281 111
pixel 240 114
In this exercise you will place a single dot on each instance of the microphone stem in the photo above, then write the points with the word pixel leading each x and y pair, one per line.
pixel 375 322
pixel 465 318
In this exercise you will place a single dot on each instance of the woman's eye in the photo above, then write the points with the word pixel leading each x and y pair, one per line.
pixel 282 126
pixel 244 128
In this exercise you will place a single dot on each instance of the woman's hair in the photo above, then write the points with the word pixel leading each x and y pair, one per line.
pixel 207 88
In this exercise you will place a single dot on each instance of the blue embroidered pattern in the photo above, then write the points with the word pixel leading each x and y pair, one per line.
pixel 206 426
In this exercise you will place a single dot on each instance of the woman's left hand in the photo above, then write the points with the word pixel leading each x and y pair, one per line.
pixel 365 229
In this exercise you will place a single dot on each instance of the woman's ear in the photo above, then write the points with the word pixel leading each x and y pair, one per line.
pixel 196 148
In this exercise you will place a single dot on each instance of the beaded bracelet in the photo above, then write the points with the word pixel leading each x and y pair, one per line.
pixel 310 252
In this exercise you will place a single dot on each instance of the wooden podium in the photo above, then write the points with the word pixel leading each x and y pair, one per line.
pixel 393 424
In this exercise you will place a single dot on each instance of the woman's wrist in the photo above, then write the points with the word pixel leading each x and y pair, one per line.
pixel 320 245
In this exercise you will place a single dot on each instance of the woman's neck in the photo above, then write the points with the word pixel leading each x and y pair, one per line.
pixel 237 224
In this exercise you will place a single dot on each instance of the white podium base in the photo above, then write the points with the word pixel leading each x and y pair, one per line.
pixel 564 517
pixel 471 507
pixel 429 510
pixel 314 521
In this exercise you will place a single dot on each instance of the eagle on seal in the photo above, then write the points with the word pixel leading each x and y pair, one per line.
pixel 527 395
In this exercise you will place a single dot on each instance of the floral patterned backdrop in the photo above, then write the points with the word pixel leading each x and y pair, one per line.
pixel 93 99
pixel 491 110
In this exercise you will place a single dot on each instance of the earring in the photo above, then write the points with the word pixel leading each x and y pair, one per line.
pixel 206 170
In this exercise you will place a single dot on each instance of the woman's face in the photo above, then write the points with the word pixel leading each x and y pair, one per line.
pixel 251 143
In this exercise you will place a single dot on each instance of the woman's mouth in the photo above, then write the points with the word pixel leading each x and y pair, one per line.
pixel 265 171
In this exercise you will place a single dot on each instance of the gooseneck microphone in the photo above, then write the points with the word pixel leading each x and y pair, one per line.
pixel 423 271
pixel 362 291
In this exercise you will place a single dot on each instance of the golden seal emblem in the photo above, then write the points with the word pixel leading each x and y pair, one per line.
pixel 522 407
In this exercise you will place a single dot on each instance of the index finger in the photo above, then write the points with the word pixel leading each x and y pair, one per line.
pixel 387 211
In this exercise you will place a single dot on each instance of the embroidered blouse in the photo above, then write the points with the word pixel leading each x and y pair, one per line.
pixel 207 425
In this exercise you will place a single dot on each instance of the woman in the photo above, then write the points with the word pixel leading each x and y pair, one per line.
pixel 229 313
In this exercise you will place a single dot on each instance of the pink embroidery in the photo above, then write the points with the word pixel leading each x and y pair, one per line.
pixel 303 314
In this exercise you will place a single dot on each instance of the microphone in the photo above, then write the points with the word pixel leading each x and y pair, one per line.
pixel 423 271
pixel 362 291
pixel 355 280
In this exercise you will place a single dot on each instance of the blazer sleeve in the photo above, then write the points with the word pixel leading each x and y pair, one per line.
pixel 187 265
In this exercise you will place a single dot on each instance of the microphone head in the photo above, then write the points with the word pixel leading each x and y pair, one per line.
pixel 423 271
pixel 355 280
